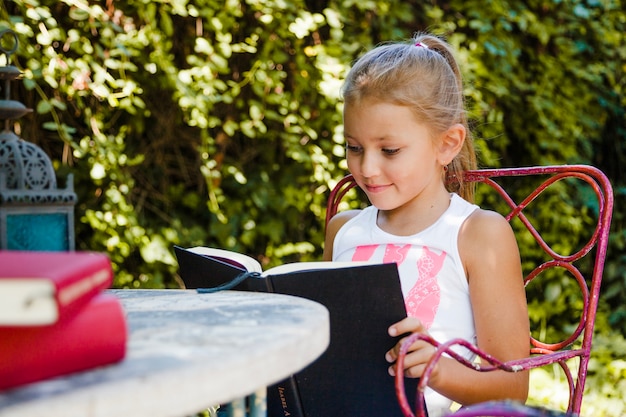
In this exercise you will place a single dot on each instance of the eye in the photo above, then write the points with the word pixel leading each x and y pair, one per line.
pixel 353 148
pixel 388 151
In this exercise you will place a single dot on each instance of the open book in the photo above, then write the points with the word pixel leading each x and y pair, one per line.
pixel 233 263
pixel 363 300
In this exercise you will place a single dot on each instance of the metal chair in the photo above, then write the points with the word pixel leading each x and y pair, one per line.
pixel 508 409
pixel 558 179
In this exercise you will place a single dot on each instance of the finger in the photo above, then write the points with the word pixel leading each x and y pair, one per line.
pixel 392 354
pixel 416 359
pixel 413 367
pixel 415 371
pixel 406 325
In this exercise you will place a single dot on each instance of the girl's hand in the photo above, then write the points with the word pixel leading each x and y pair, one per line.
pixel 418 354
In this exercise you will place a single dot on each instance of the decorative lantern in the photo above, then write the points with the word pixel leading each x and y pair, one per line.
pixel 34 214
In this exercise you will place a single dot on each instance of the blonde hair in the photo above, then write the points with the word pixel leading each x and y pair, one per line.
pixel 424 76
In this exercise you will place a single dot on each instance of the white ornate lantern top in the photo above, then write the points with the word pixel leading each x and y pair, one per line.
pixel 27 175
pixel 24 164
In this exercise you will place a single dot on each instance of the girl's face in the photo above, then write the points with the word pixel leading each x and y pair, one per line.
pixel 392 156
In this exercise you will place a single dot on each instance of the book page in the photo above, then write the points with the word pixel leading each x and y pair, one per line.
pixel 234 258
pixel 309 266
pixel 27 301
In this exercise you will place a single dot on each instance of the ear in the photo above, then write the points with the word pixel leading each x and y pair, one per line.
pixel 451 142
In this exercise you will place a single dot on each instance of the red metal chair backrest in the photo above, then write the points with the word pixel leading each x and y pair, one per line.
pixel 542 353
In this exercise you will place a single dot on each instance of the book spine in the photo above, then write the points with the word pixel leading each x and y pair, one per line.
pixel 283 399
pixel 96 335
pixel 90 278
pixel 259 283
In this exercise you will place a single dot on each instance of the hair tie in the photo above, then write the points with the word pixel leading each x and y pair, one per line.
pixel 421 45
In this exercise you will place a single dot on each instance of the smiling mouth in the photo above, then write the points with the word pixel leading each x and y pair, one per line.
pixel 373 188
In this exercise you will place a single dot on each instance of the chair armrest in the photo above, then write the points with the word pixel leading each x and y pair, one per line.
pixel 489 363
pixel 507 409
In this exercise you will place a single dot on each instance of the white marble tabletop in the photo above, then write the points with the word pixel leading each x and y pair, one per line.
pixel 186 352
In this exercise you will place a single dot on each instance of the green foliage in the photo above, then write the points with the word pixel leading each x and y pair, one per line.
pixel 218 123
pixel 606 382
pixel 203 123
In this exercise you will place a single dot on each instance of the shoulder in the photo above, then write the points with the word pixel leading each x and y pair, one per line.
pixel 481 218
pixel 484 227
pixel 339 220
pixel 487 235
pixel 336 223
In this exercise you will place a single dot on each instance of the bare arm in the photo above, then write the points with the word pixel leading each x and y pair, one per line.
pixel 333 227
pixel 491 259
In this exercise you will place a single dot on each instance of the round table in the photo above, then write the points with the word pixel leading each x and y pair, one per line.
pixel 186 352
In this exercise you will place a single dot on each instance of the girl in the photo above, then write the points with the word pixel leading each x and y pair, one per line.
pixel 406 134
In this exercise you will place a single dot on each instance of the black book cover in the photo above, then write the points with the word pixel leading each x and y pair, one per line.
pixel 349 379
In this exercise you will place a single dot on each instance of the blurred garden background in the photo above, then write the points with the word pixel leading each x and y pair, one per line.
pixel 218 123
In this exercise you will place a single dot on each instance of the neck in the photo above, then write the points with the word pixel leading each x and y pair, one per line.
pixel 414 216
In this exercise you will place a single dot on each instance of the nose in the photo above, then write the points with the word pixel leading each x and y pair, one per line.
pixel 369 165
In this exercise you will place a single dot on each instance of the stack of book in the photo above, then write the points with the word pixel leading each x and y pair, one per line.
pixel 55 318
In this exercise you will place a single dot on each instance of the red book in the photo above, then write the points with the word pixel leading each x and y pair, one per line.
pixel 38 288
pixel 95 335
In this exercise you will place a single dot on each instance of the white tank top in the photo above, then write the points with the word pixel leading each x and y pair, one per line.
pixel 432 276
